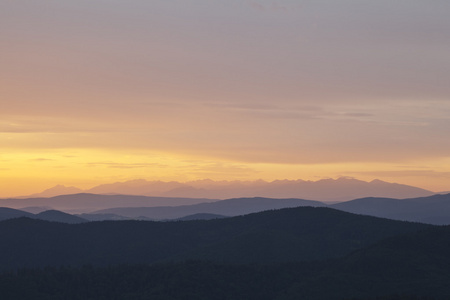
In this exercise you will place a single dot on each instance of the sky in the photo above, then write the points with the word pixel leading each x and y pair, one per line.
pixel 100 91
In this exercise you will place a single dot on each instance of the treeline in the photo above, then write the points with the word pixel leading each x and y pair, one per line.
pixel 193 280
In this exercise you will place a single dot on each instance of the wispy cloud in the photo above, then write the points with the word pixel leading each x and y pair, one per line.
pixel 267 111
pixel 407 173
pixel 213 170
pixel 258 6
pixel 50 125
pixel 116 165
pixel 41 159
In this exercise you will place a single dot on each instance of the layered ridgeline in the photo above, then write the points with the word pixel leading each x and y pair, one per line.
pixel 146 208
pixel 283 254
pixel 432 210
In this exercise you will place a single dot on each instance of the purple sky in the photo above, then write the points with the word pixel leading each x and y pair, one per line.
pixel 191 89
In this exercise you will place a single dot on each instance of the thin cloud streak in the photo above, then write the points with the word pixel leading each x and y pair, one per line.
pixel 125 165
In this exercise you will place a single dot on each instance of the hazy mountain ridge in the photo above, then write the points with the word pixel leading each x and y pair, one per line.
pixel 340 189
pixel 229 207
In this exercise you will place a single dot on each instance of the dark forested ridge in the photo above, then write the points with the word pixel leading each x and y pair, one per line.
pixel 297 234
pixel 296 253
pixel 325 280
pixel 414 264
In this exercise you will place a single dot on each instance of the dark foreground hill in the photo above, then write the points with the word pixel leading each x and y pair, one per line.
pixel 297 234
pixel 413 266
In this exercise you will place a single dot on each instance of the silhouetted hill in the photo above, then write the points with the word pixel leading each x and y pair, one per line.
pixel 297 234
pixel 50 215
pixel 433 209
pixel 59 216
pixel 229 207
pixel 9 213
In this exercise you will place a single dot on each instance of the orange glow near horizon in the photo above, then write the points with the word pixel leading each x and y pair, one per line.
pixel 186 90
pixel 24 173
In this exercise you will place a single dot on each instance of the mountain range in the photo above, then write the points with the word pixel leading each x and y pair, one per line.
pixel 327 190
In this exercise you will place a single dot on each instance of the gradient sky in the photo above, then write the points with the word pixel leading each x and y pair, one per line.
pixel 97 91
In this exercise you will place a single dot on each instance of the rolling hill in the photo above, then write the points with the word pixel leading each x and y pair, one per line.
pixel 432 210
pixel 59 216
pixel 10 213
pixel 293 234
